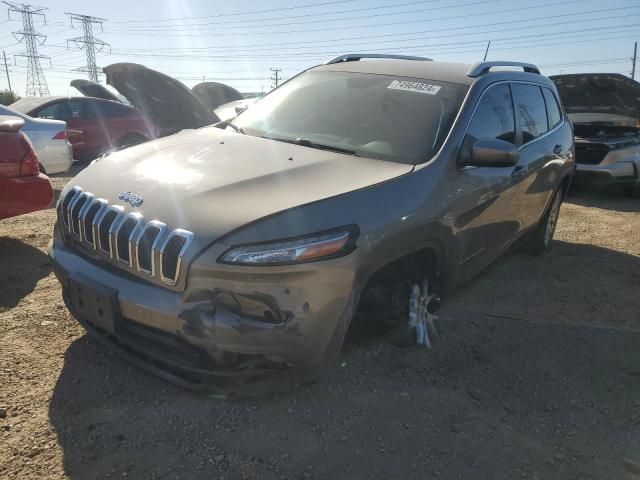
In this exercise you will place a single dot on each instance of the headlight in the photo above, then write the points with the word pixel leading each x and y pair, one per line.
pixel 318 246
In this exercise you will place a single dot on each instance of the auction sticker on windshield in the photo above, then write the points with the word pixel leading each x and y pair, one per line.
pixel 414 87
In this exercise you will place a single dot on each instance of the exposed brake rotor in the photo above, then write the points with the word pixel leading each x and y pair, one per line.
pixel 420 318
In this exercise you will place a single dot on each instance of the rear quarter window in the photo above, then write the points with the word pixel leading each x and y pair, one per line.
pixel 553 110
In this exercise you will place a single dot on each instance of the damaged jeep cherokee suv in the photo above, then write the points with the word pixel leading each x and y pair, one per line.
pixel 229 256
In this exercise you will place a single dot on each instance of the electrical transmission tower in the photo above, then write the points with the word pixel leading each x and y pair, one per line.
pixel 88 42
pixel 276 77
pixel 36 83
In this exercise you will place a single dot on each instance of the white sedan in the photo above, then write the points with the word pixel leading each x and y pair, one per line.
pixel 49 139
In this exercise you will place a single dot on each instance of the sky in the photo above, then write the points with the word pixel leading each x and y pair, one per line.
pixel 237 43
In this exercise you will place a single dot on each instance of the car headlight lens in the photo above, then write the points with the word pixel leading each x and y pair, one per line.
pixel 318 246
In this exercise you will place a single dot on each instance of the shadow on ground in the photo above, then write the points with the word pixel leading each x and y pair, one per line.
pixel 21 267
pixel 606 198
pixel 498 397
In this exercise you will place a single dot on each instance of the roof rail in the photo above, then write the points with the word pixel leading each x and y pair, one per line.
pixel 481 68
pixel 353 57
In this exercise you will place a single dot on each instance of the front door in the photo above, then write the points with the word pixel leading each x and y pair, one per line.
pixel 485 204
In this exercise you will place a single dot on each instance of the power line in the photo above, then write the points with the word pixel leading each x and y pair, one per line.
pixel 261 23
pixel 341 41
pixel 404 22
pixel 294 56
pixel 36 82
pixel 88 42
pixel 308 5
pixel 279 18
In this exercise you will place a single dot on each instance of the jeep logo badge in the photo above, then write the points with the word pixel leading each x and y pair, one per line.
pixel 131 198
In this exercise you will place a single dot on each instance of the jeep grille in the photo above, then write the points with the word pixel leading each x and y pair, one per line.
pixel 145 247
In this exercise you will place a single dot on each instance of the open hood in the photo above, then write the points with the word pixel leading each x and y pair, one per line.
pixel 214 94
pixel 168 103
pixel 93 89
pixel 603 99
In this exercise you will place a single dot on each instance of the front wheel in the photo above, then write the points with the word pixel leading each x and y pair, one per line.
pixel 540 242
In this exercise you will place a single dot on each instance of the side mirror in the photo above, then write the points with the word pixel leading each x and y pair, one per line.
pixel 491 152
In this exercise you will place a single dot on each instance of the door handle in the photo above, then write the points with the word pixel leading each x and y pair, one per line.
pixel 557 150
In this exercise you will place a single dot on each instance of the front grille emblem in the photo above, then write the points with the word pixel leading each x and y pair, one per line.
pixel 131 198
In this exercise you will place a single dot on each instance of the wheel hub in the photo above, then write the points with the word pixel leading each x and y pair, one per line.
pixel 420 318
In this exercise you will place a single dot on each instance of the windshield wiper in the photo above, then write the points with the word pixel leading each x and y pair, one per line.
pixel 305 142
pixel 237 129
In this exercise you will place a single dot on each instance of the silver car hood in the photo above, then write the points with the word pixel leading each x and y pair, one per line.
pixel 211 181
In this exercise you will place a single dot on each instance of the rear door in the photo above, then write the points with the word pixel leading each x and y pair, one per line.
pixel 541 152
pixel 71 111
pixel 98 134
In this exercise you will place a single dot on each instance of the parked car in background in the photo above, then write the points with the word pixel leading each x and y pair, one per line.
pixel 93 125
pixel 49 140
pixel 214 94
pixel 605 111
pixel 23 188
pixel 243 260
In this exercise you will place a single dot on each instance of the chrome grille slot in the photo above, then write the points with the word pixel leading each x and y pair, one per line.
pixel 76 207
pixel 171 253
pixel 105 227
pixel 66 205
pixel 147 248
pixel 89 216
pixel 147 245
pixel 125 233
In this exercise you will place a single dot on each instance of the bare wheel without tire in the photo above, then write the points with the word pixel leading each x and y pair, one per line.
pixel 419 325
pixel 543 235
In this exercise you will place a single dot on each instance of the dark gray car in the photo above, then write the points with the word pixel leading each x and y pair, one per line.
pixel 605 111
pixel 225 257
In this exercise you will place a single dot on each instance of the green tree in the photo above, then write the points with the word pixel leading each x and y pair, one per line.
pixel 7 97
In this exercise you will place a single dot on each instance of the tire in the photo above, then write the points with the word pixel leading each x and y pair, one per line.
pixel 541 239
pixel 130 140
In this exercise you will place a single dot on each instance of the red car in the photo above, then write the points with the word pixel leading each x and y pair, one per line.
pixel 94 125
pixel 23 188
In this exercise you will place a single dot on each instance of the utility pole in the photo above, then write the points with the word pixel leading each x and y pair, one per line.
pixel 486 51
pixel 6 69
pixel 36 83
pixel 276 77
pixel 88 42
pixel 633 59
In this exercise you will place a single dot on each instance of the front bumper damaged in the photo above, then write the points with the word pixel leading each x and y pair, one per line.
pixel 194 342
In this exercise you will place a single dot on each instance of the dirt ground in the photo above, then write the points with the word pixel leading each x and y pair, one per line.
pixel 537 376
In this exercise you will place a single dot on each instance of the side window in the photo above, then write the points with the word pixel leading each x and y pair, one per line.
pixel 92 109
pixel 69 110
pixel 493 117
pixel 48 112
pixel 114 109
pixel 553 110
pixel 531 110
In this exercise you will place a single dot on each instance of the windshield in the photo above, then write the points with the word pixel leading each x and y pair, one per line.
pixel 385 117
